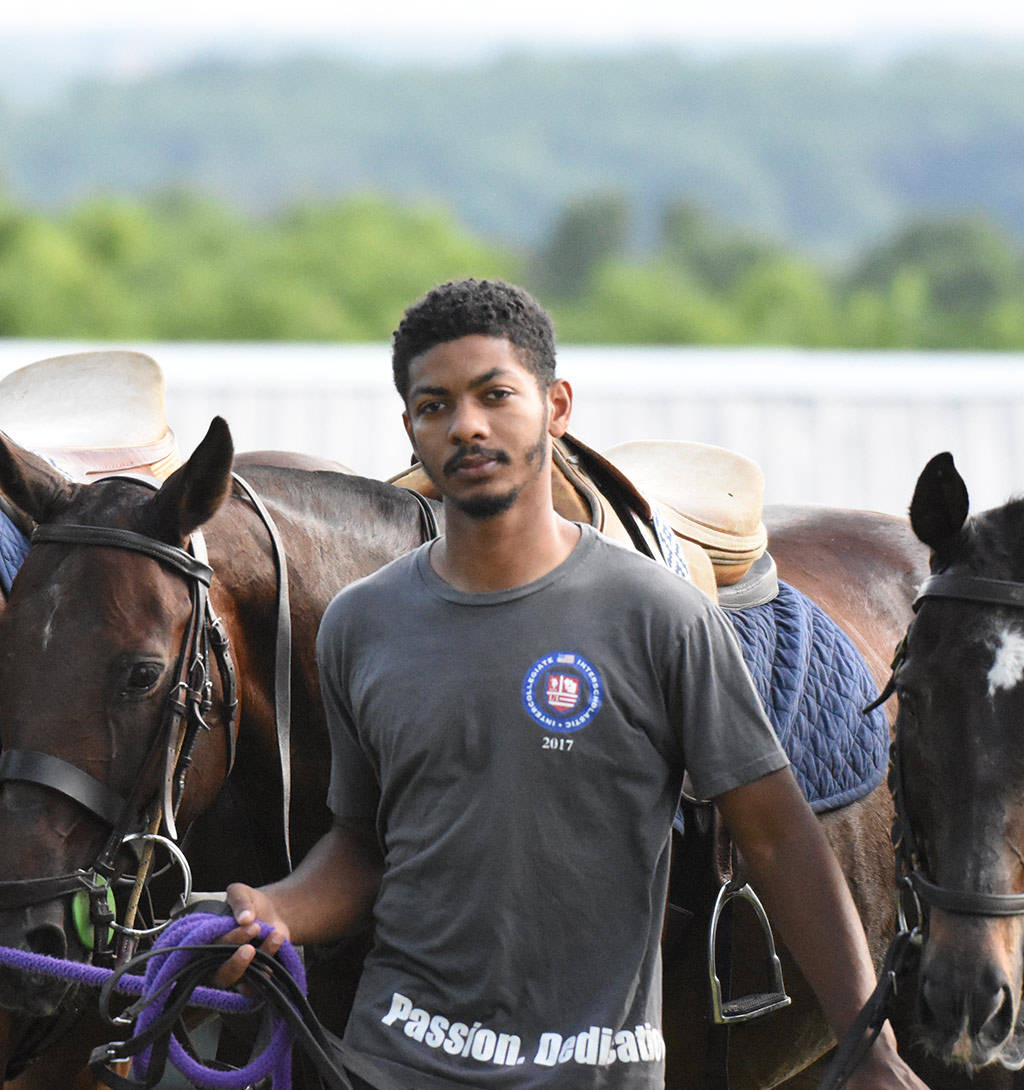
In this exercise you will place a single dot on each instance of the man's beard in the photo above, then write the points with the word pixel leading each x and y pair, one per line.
pixel 487 507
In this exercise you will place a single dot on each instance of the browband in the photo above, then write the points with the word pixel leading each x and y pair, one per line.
pixel 971 588
pixel 170 555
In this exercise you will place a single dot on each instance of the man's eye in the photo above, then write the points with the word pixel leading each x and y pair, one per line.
pixel 498 395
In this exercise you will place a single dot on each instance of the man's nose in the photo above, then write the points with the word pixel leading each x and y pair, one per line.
pixel 467 423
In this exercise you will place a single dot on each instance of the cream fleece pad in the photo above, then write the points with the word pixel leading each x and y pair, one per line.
pixel 712 495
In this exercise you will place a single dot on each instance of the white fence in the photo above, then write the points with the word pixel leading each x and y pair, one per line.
pixel 839 428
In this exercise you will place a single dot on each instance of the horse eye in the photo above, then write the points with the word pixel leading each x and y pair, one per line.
pixel 907 703
pixel 142 676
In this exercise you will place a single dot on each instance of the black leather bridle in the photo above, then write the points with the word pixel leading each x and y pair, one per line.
pixel 910 864
pixel 910 859
pixel 188 703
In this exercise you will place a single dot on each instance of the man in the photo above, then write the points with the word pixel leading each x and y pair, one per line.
pixel 512 708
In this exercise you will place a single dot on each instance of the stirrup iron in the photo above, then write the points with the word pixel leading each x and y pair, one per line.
pixel 747 1007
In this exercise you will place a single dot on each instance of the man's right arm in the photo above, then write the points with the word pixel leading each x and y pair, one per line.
pixel 329 895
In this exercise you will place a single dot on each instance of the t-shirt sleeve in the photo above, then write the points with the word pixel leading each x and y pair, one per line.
pixel 353 792
pixel 727 739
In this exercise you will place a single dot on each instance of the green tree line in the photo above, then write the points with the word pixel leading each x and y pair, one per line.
pixel 178 267
pixel 822 148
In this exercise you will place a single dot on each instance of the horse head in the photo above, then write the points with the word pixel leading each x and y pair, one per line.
pixel 959 770
pixel 98 646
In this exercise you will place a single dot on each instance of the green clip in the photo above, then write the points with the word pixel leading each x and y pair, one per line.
pixel 80 914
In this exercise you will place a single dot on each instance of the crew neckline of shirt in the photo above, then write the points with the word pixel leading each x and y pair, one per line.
pixel 436 585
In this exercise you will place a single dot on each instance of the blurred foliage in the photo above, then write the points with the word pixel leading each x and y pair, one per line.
pixel 824 149
pixel 179 266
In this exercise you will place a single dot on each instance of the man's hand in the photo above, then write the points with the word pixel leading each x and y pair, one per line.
pixel 883 1067
pixel 250 908
pixel 327 896
pixel 806 896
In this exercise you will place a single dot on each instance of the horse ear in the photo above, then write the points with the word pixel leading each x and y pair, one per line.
pixel 31 484
pixel 939 508
pixel 192 494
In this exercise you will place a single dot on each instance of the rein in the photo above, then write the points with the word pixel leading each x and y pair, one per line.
pixel 184 956
pixel 910 874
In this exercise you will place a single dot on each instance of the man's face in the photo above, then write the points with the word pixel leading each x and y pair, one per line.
pixel 479 422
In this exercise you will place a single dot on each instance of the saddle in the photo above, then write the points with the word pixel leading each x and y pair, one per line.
pixel 92 414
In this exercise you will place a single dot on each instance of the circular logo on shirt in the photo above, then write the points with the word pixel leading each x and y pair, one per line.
pixel 562 692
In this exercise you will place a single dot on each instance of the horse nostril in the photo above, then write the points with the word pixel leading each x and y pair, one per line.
pixel 47 939
pixel 999 1024
pixel 935 1007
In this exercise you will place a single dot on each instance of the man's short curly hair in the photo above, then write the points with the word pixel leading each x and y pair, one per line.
pixel 462 307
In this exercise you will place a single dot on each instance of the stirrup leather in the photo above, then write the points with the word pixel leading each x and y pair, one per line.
pixel 747 1007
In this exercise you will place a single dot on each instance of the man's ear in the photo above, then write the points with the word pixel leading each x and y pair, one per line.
pixel 408 428
pixel 559 395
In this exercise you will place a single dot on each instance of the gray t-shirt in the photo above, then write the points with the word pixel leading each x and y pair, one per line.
pixel 522 754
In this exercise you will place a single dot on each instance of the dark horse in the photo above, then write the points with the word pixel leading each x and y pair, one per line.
pixel 91 634
pixel 959 771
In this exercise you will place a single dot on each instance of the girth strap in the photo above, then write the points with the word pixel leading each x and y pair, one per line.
pixel 43 768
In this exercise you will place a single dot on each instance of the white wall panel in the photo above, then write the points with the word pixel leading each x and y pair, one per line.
pixel 843 428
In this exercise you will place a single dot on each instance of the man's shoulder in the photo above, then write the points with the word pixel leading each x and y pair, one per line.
pixel 628 571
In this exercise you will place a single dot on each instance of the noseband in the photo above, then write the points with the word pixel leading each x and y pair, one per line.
pixel 910 859
pixel 188 703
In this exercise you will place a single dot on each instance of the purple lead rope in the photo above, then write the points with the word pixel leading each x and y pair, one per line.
pixel 191 930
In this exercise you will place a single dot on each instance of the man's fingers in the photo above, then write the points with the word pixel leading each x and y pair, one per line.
pixel 234 968
pixel 240 897
pixel 241 934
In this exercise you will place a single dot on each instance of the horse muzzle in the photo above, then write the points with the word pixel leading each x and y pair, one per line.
pixel 970 988
pixel 38 929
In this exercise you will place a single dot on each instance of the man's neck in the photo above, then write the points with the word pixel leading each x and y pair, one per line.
pixel 503 552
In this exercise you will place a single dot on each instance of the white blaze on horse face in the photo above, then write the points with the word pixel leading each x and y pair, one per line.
pixel 50 603
pixel 1007 670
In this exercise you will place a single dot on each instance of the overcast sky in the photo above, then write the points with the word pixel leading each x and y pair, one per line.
pixel 433 22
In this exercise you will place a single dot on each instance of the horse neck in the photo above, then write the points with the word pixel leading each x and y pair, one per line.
pixel 334 529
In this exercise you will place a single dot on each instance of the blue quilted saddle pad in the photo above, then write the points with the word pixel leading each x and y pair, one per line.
pixel 814 684
pixel 13 547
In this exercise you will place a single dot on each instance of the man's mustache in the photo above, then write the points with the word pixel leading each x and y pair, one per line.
pixel 456 461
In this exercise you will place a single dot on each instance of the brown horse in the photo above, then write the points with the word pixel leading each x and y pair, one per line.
pixel 336 528
pixel 959 774
pixel 63 1048
pixel 91 635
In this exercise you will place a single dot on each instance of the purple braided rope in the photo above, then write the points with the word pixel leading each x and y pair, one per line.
pixel 192 930
pixel 275 1060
